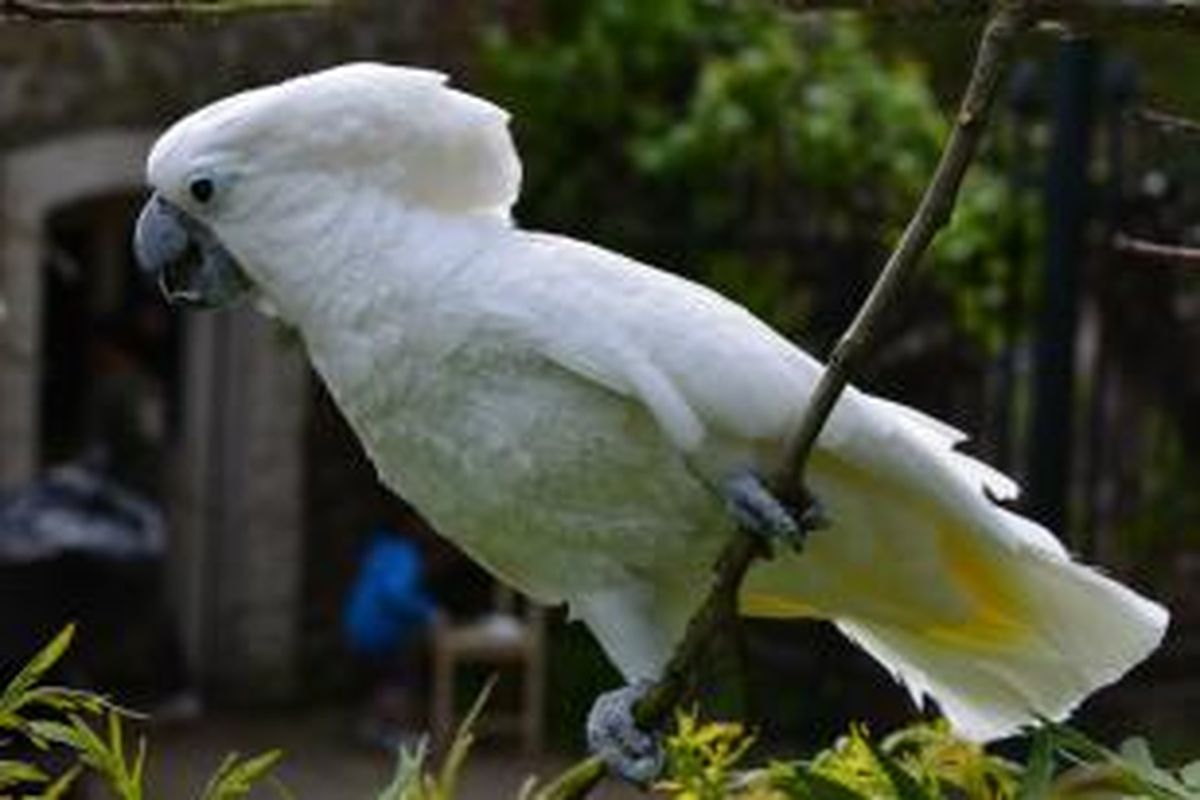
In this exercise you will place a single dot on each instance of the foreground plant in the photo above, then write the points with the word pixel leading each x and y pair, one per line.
pixel 924 761
pixel 705 759
pixel 91 730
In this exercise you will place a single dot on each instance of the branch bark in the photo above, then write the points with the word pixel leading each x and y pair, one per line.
pixel 1172 254
pixel 147 10
pixel 1167 123
pixel 1095 13
pixel 932 213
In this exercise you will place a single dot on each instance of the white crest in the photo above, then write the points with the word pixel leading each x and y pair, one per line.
pixel 437 147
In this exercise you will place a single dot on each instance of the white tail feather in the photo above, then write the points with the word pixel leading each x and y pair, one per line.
pixel 1084 632
pixel 961 599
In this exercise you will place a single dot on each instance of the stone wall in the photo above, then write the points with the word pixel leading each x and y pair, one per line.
pixel 83 75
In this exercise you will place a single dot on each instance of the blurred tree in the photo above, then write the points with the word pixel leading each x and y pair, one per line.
pixel 767 158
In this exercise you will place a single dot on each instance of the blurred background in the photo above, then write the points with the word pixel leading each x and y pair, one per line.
pixel 180 483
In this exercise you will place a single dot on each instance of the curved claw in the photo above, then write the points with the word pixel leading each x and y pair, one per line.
pixel 755 509
pixel 613 735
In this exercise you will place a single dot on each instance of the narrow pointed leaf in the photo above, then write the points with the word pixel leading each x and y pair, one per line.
pixel 38 666
pixel 236 778
pixel 463 739
pixel 906 786
pixel 14 772
pixel 1190 775
pixel 1035 783
pixel 812 785
pixel 62 784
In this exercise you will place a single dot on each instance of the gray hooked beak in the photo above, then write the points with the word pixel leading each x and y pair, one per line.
pixel 190 264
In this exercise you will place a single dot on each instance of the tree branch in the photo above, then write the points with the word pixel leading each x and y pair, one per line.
pixel 1097 13
pixel 1172 254
pixel 147 10
pixel 931 215
pixel 1167 123
pixel 933 211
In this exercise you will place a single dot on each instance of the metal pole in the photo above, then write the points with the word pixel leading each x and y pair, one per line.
pixel 1067 211
pixel 1025 103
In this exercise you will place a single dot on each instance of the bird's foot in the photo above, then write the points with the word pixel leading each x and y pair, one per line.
pixel 614 735
pixel 757 510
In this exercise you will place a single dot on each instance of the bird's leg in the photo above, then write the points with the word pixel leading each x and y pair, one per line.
pixel 614 735
pixel 757 510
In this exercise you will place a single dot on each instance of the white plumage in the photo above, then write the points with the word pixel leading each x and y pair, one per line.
pixel 565 414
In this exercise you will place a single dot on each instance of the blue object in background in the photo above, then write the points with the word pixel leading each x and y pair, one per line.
pixel 387 603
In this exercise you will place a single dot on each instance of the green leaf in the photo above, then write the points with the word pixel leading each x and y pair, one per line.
pixel 14 772
pixel 1190 775
pixel 52 732
pixel 90 746
pixel 116 743
pixel 410 771
pixel 1035 783
pixel 14 694
pixel 461 746
pixel 1134 766
pixel 906 786
pixel 62 784
pixel 1140 760
pixel 1075 744
pixel 236 778
pixel 805 783
pixel 210 789
pixel 137 772
pixel 60 698
pixel 1136 750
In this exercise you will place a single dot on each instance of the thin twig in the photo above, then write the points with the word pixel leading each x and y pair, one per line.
pixel 1168 123
pixel 931 215
pixel 1172 254
pixel 994 52
pixel 148 10
pixel 1093 13
pixel 892 9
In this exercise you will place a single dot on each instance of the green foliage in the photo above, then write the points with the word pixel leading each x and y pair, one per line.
pixel 995 235
pixel 921 762
pixel 761 154
pixel 236 777
pixel 92 729
pixel 415 781
pixel 701 757
pixel 1130 771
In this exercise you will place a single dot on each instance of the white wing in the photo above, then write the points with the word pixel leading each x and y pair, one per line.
pixel 702 365
pixel 961 599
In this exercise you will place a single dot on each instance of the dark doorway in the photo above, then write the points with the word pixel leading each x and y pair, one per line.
pixel 110 398
pixel 110 372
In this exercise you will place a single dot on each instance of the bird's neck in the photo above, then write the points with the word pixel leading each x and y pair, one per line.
pixel 357 288
pixel 366 254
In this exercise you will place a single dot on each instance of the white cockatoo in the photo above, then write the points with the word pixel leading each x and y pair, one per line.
pixel 593 430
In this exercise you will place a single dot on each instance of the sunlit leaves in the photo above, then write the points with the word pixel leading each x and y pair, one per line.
pixel 707 760
pixel 92 730
pixel 922 762
pixel 751 151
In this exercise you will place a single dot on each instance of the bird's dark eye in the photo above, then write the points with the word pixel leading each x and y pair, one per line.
pixel 202 189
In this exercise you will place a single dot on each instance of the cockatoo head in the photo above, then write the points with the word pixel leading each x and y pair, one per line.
pixel 238 180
